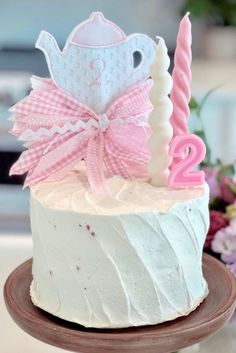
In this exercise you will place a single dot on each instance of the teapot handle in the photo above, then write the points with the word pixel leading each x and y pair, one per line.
pixel 143 53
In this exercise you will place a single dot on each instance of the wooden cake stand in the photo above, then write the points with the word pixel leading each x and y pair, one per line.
pixel 211 315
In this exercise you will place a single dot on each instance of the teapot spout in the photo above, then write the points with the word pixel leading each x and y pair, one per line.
pixel 48 45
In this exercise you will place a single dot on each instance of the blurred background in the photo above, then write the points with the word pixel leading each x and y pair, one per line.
pixel 214 66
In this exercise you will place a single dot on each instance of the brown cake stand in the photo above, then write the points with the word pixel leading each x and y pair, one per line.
pixel 211 315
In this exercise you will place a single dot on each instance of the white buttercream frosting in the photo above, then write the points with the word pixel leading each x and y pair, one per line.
pixel 130 258
pixel 125 196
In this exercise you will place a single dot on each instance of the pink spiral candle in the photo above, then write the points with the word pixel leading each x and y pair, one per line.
pixel 181 94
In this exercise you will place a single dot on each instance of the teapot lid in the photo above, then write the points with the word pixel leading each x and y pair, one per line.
pixel 97 31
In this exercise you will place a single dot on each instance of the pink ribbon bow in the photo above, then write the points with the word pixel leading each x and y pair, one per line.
pixel 60 131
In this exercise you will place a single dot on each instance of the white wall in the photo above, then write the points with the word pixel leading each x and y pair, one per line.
pixel 22 20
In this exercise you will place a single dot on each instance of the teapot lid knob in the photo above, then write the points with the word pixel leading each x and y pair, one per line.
pixel 97 31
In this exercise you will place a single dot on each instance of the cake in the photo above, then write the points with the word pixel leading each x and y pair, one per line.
pixel 129 259
pixel 111 248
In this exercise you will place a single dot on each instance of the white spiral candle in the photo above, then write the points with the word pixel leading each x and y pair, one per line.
pixel 159 119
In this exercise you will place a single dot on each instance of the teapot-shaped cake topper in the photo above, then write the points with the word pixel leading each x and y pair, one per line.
pixel 99 62
pixel 96 105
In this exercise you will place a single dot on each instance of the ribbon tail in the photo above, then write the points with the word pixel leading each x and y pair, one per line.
pixel 134 162
pixel 73 150
pixel 27 160
pixel 137 137
pixel 126 155
pixel 137 170
pixel 115 166
pixel 60 174
pixel 94 162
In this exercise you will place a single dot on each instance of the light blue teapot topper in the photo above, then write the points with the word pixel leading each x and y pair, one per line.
pixel 99 62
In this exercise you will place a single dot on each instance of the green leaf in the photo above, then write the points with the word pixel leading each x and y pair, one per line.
pixel 217 12
pixel 203 101
pixel 232 188
pixel 198 8
pixel 218 162
pixel 200 133
pixel 227 170
pixel 193 104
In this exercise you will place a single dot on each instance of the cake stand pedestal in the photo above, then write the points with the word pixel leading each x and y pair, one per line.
pixel 211 315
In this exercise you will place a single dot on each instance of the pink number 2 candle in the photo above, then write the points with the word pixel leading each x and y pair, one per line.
pixel 190 151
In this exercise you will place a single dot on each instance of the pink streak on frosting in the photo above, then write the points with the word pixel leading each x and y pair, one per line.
pixel 181 94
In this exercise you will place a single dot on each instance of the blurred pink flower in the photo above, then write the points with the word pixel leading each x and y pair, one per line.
pixel 217 222
pixel 211 179
pixel 227 195
pixel 232 268
pixel 224 243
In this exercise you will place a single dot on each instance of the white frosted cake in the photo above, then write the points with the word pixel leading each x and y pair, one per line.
pixel 128 259
pixel 119 213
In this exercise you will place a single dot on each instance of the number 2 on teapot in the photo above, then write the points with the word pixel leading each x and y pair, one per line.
pixel 98 66
pixel 190 150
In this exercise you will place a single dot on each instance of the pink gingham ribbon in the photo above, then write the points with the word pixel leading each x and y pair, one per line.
pixel 60 131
